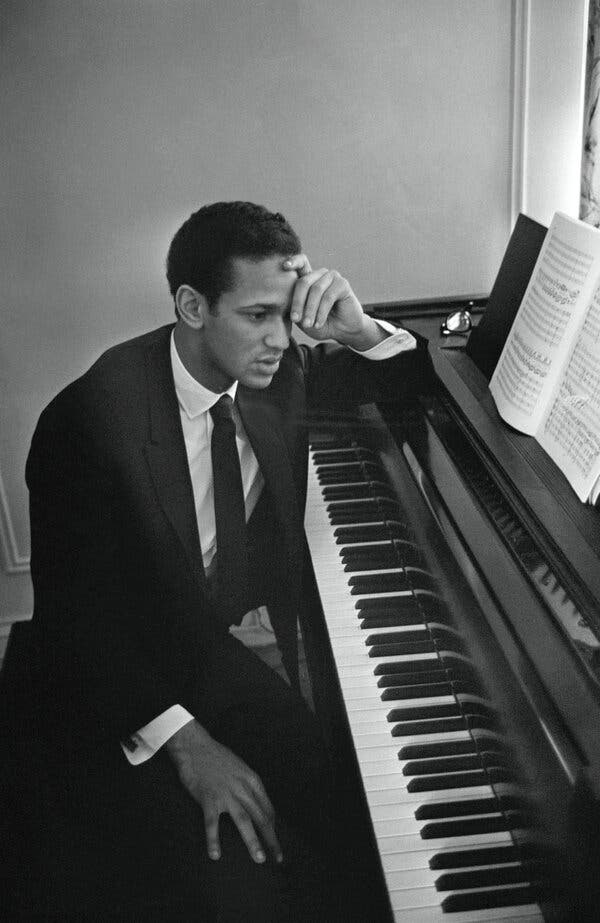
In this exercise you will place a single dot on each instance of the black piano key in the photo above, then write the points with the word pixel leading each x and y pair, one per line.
pixel 339 476
pixel 399 650
pixel 465 858
pixel 343 456
pixel 397 581
pixel 356 490
pixel 464 826
pixel 423 712
pixel 439 764
pixel 467 707
pixel 351 506
pixel 394 637
pixel 482 878
pixel 369 584
pixel 396 620
pixel 349 463
pixel 480 900
pixel 441 725
pixel 404 603
pixel 364 516
pixel 440 748
pixel 434 810
pixel 408 666
pixel 429 646
pixel 425 690
pixel 411 679
pixel 369 563
pixel 369 550
pixel 383 560
pixel 384 505
pixel 450 780
pixel 431 726
pixel 372 532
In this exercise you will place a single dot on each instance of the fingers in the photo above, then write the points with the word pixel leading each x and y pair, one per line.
pixel 322 297
pixel 211 826
pixel 251 811
pixel 247 832
pixel 300 263
pixel 262 814
pixel 315 295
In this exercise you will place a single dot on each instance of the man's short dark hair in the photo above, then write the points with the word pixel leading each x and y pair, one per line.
pixel 203 248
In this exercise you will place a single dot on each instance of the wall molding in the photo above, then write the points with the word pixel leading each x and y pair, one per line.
pixel 15 562
pixel 521 44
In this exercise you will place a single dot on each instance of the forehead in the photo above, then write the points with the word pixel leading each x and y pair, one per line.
pixel 257 281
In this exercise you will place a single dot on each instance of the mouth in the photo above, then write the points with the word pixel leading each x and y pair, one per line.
pixel 269 362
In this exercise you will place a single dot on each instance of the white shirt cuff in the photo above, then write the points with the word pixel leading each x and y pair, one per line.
pixel 144 743
pixel 399 341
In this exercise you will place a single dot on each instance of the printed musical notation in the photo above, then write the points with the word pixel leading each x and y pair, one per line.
pixel 547 380
pixel 573 424
pixel 522 374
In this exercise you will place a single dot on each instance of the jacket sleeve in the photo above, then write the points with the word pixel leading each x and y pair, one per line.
pixel 90 662
pixel 335 374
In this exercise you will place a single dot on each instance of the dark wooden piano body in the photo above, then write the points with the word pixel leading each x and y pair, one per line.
pixel 516 559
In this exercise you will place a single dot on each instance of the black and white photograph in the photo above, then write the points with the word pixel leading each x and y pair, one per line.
pixel 300 461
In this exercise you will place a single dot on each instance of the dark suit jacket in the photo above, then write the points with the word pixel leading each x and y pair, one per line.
pixel 121 616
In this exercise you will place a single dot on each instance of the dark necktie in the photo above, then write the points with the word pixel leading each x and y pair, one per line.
pixel 230 515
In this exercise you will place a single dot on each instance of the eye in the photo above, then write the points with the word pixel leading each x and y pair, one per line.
pixel 256 315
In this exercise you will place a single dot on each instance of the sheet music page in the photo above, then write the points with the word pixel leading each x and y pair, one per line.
pixel 570 433
pixel 550 316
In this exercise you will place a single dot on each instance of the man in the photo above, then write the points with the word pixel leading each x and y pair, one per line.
pixel 173 774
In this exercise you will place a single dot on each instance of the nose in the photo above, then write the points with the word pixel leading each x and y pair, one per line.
pixel 278 335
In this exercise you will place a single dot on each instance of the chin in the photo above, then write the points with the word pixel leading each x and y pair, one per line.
pixel 257 382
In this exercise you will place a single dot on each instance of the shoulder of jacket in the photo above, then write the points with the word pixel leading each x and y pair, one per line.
pixel 123 361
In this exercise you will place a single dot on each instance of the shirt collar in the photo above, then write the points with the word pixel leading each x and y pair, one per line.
pixel 194 399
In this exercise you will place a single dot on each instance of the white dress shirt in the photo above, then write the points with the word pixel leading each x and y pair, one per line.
pixel 195 402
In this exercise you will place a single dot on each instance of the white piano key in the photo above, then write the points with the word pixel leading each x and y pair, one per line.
pixel 409 898
pixel 399 844
pixel 400 796
pixel 351 658
pixel 404 826
pixel 389 812
pixel 529 913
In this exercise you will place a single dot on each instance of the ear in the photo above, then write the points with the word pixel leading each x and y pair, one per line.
pixel 191 305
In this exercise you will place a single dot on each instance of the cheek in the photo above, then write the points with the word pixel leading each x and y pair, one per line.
pixel 242 349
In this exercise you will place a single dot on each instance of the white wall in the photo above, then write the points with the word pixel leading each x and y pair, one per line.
pixel 383 130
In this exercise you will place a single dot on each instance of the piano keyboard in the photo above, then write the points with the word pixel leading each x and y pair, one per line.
pixel 423 733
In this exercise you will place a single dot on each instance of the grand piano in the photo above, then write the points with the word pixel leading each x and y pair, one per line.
pixel 457 585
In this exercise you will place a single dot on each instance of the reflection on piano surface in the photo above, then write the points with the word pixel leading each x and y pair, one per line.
pixel 460 588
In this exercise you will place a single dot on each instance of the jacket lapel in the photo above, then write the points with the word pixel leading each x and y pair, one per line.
pixel 166 455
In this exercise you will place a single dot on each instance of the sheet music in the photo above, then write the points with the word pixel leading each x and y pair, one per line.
pixel 541 336
pixel 571 431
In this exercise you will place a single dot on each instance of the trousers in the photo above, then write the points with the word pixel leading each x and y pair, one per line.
pixel 99 839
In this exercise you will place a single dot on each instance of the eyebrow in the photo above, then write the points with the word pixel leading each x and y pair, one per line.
pixel 260 305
